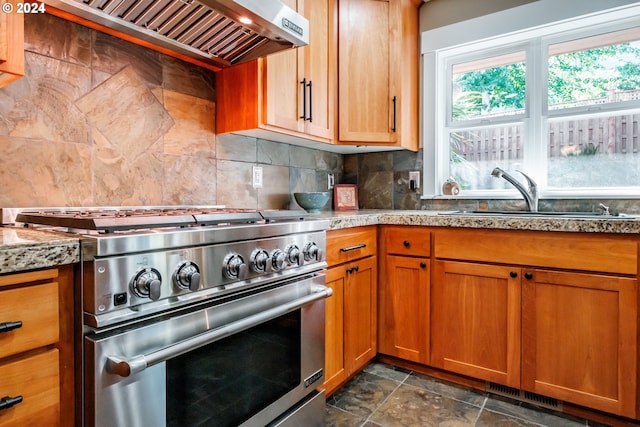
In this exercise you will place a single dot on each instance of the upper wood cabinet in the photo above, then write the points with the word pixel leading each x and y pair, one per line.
pixel 289 92
pixel 378 72
pixel 11 47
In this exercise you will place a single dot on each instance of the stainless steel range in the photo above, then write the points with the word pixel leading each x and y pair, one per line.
pixel 198 316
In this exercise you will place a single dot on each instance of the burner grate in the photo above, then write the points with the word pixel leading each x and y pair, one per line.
pixel 109 220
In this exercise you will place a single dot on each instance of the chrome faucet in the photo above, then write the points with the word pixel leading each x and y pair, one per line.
pixel 530 195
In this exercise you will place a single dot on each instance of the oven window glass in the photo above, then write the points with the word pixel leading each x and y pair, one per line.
pixel 227 382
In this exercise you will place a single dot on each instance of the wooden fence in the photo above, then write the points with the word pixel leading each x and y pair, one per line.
pixel 605 135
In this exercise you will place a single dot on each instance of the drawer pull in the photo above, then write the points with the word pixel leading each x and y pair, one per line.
pixel 406 243
pixel 353 248
pixel 7 402
pixel 10 326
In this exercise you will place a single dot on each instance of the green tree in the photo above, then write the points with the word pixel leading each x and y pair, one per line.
pixel 573 76
pixel 504 88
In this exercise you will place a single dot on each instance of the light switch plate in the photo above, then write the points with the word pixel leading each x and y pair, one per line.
pixel 257 177
pixel 415 176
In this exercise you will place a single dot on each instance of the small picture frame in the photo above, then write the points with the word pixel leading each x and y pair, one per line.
pixel 345 197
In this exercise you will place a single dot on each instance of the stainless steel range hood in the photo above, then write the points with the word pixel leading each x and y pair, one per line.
pixel 217 32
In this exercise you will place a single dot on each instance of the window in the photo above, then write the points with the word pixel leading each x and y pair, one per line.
pixel 561 102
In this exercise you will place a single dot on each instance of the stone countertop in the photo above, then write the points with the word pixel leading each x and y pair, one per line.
pixel 27 249
pixel 24 249
pixel 346 219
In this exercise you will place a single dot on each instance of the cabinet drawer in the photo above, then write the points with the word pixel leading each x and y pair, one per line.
pixel 350 244
pixel 36 379
pixel 573 251
pixel 37 308
pixel 409 241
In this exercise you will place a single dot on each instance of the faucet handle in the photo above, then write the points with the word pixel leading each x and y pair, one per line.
pixel 605 209
pixel 533 187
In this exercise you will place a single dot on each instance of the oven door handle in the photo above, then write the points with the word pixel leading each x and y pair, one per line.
pixel 125 367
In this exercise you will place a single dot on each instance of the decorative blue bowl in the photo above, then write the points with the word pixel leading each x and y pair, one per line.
pixel 312 201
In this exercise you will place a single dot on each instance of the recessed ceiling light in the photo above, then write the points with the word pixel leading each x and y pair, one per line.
pixel 245 20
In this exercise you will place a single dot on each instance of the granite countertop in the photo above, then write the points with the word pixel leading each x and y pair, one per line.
pixel 26 249
pixel 346 219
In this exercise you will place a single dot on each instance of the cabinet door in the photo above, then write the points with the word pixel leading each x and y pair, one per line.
pixel 283 88
pixel 316 60
pixel 580 339
pixel 360 307
pixel 403 301
pixel 36 380
pixel 11 47
pixel 334 362
pixel 365 101
pixel 475 321
pixel 4 38
pixel 39 317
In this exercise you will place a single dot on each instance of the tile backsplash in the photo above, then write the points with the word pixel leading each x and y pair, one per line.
pixel 99 121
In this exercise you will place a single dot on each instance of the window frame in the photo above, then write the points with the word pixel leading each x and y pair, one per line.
pixel 545 25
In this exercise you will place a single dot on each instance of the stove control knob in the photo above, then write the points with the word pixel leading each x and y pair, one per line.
pixel 234 267
pixel 258 262
pixel 187 276
pixel 147 283
pixel 278 259
pixel 294 257
pixel 312 252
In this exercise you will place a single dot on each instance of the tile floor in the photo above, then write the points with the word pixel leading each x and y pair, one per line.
pixel 386 396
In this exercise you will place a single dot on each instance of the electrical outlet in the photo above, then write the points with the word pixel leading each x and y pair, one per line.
pixel 257 177
pixel 330 181
pixel 415 177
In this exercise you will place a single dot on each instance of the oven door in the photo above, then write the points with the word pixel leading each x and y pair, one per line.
pixel 239 361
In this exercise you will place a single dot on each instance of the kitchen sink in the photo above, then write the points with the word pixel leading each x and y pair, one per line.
pixel 545 214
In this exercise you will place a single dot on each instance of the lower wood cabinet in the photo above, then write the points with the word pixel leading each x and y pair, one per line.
pixel 351 322
pixel 551 313
pixel 37 348
pixel 580 339
pixel 404 293
pixel 475 318
pixel 34 383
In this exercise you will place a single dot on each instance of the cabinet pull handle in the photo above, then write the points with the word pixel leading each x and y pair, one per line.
pixel 528 275
pixel 353 248
pixel 7 402
pixel 352 269
pixel 423 265
pixel 10 326
pixel 310 102
pixel 304 99
pixel 513 274
pixel 395 102
pixel 406 243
